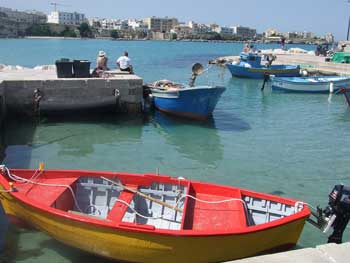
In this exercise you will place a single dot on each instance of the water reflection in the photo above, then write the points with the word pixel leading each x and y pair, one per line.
pixel 75 135
pixel 195 140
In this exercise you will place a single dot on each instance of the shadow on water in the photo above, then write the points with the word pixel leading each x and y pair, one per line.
pixel 18 136
pixel 220 121
pixel 197 140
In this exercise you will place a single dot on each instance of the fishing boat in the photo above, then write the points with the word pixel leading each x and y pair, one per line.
pixel 150 217
pixel 190 101
pixel 318 84
pixel 250 66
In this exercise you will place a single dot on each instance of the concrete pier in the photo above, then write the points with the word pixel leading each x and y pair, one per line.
pixel 329 253
pixel 313 64
pixel 29 90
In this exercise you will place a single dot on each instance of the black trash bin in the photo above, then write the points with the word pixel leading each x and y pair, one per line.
pixel 64 68
pixel 81 68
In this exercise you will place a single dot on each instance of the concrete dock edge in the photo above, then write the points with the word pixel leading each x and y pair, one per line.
pixel 329 253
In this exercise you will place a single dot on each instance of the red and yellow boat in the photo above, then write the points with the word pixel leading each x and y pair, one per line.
pixel 150 218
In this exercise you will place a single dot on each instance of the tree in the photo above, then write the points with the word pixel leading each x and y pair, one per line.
pixel 114 34
pixel 85 30
pixel 67 32
pixel 173 36
pixel 39 30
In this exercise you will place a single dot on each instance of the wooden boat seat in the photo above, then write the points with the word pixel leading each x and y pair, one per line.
pixel 117 212
pixel 203 216
pixel 41 194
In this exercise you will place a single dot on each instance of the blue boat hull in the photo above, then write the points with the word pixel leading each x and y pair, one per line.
pixel 194 103
pixel 320 84
pixel 259 73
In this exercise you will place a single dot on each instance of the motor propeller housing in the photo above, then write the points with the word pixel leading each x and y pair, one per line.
pixel 335 215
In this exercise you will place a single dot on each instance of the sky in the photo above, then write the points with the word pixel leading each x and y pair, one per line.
pixel 320 17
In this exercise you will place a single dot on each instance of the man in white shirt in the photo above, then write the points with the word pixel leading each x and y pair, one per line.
pixel 124 63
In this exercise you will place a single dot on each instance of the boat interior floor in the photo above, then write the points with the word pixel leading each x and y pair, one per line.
pixel 197 209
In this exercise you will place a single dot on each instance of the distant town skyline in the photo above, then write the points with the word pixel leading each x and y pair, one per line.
pixel 297 15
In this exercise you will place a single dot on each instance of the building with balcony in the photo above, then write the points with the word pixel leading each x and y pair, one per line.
pixel 223 30
pixel 198 28
pixel 244 32
pixel 66 18
pixel 157 24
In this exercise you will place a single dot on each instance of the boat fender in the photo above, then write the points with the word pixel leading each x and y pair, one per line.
pixel 181 178
pixel 116 93
pixel 331 87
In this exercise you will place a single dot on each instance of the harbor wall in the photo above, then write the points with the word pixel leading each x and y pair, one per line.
pixel 27 96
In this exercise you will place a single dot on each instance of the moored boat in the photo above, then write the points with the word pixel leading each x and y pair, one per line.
pixel 191 102
pixel 150 218
pixel 250 66
pixel 318 84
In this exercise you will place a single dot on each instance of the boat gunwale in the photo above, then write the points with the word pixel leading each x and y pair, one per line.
pixel 289 81
pixel 187 88
pixel 303 214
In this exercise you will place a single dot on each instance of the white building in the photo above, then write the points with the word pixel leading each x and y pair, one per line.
pixel 223 30
pixel 329 38
pixel 66 18
pixel 199 28
pixel 137 25
pixel 271 32
pixel 244 32
pixel 308 34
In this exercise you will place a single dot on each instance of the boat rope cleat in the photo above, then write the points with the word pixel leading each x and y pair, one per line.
pixel 336 215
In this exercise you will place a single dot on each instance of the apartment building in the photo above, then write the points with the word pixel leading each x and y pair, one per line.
pixel 244 32
pixel 157 24
pixel 66 18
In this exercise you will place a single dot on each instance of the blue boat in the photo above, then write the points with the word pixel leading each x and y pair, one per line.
pixel 191 102
pixel 250 67
pixel 318 84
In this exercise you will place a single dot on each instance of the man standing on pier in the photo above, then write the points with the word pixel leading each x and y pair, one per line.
pixel 124 63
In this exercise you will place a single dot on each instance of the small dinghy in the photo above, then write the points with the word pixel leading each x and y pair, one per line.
pixel 250 66
pixel 194 102
pixel 149 217
pixel 320 84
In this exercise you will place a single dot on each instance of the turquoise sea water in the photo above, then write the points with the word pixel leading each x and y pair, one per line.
pixel 293 145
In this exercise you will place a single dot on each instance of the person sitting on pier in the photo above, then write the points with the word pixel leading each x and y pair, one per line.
pixel 101 64
pixel 124 63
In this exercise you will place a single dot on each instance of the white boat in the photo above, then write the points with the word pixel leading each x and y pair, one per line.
pixel 320 84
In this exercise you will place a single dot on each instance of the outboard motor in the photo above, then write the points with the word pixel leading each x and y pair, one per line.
pixel 335 215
